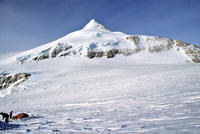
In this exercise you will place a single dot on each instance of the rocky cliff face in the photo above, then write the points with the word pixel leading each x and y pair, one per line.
pixel 62 50
pixel 7 80
pixel 192 51
pixel 59 50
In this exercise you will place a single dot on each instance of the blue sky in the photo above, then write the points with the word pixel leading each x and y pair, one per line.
pixel 25 24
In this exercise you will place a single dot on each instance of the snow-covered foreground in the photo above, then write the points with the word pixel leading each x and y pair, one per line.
pixel 79 95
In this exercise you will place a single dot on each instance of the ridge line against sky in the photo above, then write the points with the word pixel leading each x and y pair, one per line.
pixel 26 24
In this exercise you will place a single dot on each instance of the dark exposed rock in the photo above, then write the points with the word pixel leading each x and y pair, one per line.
pixel 60 48
pixel 65 54
pixel 128 52
pixel 99 54
pixel 192 51
pixel 35 58
pixel 92 54
pixel 165 46
pixel 155 49
pixel 7 80
pixel 180 43
pixel 149 44
pixel 42 57
pixel 111 53
pixel 133 39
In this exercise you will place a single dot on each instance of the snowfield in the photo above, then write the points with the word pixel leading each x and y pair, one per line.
pixel 79 95
pixel 97 81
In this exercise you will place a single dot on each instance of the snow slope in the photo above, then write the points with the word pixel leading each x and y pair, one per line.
pixel 153 90
pixel 94 40
pixel 80 95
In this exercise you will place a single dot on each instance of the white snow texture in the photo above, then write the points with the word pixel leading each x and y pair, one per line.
pixel 148 92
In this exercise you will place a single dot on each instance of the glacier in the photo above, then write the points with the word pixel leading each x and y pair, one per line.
pixel 97 81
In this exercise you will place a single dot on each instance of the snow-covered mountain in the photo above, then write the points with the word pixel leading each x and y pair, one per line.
pixel 70 86
pixel 94 40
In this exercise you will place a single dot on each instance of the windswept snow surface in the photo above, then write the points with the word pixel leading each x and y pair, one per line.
pixel 153 90
pixel 80 95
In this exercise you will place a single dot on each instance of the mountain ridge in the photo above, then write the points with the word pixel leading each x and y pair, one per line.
pixel 97 81
pixel 94 40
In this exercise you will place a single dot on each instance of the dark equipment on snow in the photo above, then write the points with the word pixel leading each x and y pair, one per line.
pixel 5 116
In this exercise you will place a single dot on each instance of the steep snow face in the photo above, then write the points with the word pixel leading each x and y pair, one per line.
pixel 94 40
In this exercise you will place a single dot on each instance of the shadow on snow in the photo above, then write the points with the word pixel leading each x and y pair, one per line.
pixel 6 126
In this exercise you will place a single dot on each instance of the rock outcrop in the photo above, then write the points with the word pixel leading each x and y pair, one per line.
pixel 58 51
pixel 111 53
pixel 135 41
pixel 192 51
pixel 6 80
pixel 95 41
pixel 60 48
pixel 92 54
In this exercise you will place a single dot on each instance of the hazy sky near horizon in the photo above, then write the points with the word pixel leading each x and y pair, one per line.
pixel 25 24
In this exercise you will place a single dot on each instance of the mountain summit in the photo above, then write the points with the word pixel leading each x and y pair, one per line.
pixel 97 81
pixel 93 24
pixel 94 40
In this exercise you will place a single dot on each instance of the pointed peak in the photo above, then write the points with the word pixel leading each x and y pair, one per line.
pixel 92 21
pixel 93 24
